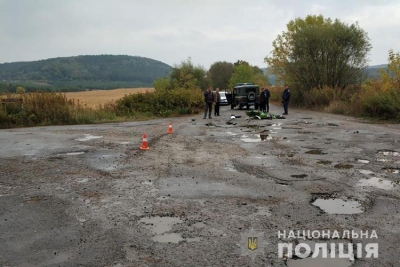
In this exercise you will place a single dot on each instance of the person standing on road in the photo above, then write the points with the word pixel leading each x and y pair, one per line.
pixel 217 100
pixel 209 100
pixel 264 100
pixel 286 99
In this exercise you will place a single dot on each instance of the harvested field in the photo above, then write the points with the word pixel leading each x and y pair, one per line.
pixel 95 98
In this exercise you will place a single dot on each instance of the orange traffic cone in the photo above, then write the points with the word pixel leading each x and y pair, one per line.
pixel 145 145
pixel 170 130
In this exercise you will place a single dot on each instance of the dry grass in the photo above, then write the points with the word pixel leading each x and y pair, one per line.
pixel 95 98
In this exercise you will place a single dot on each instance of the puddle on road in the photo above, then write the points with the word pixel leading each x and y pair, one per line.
pixel 319 262
pixel 83 180
pixel 74 153
pixel 265 137
pixel 366 172
pixel 392 170
pixel 305 132
pixel 88 137
pixel 338 206
pixel 377 182
pixel 59 258
pixel 363 161
pixel 159 225
pixel 315 152
pixel 168 238
pixel 199 225
pixel 194 239
pixel 324 162
pixel 299 175
pixel 251 139
pixel 389 153
pixel 230 167
pixel 124 143
pixel 343 166
pixel 262 211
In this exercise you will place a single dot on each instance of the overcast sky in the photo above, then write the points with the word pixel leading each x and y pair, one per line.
pixel 171 31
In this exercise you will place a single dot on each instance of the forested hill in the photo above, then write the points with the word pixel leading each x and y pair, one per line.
pixel 81 72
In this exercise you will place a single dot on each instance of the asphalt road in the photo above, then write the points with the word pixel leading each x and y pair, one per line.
pixel 88 196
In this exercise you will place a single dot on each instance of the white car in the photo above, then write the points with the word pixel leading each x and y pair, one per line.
pixel 224 100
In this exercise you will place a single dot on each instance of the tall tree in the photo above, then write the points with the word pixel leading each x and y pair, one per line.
pixel 186 75
pixel 315 52
pixel 241 73
pixel 220 72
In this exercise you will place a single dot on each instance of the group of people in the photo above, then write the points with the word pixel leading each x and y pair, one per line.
pixel 266 94
pixel 211 99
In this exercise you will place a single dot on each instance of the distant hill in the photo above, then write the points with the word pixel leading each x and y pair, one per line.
pixel 81 72
pixel 370 71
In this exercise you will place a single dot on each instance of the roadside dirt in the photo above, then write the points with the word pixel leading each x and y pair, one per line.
pixel 88 196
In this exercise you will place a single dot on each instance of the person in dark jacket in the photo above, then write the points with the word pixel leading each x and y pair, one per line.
pixel 209 100
pixel 264 100
pixel 217 100
pixel 286 99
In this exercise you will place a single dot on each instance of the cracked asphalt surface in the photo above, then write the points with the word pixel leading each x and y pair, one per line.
pixel 87 195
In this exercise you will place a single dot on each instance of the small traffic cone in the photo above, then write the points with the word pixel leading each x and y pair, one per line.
pixel 170 130
pixel 145 145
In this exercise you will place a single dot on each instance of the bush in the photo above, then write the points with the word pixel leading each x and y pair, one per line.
pixel 50 109
pixel 161 103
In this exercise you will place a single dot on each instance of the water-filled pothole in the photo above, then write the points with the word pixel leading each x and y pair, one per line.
pixel 319 262
pixel 365 161
pixel 264 137
pixel 389 153
pixel 299 175
pixel 75 153
pixel 159 225
pixel 338 206
pixel 343 166
pixel 324 162
pixel 168 238
pixel 315 152
pixel 250 139
pixel 366 172
pixel 392 170
pixel 377 182
pixel 88 137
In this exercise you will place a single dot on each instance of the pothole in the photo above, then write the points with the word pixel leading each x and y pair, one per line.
pixel 324 162
pixel 389 153
pixel 392 170
pixel 88 137
pixel 318 262
pixel 299 175
pixel 343 166
pixel 262 211
pixel 168 238
pixel 304 132
pixel 250 139
pixel 366 172
pixel 159 225
pixel 377 182
pixel 265 137
pixel 338 206
pixel 365 161
pixel 315 152
pixel 230 167
pixel 75 153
